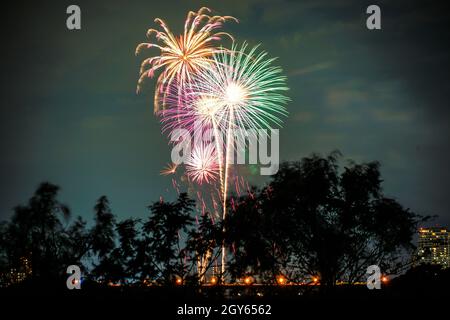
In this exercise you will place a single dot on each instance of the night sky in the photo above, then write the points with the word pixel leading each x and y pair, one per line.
pixel 70 115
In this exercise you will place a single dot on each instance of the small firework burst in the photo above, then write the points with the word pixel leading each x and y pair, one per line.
pixel 169 169
pixel 202 166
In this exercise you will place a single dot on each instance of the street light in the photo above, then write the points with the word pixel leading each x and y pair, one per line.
pixel 281 280
pixel 248 280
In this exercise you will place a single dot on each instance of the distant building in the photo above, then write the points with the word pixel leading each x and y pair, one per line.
pixel 434 246
pixel 16 275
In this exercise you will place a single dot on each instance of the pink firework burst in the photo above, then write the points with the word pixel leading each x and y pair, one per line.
pixel 202 165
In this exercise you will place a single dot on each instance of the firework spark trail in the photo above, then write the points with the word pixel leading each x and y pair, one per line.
pixel 236 186
pixel 203 205
pixel 219 154
pixel 175 185
pixel 182 56
pixel 233 205
pixel 225 188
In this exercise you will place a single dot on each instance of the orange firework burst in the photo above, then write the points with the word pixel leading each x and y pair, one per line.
pixel 183 55
pixel 171 168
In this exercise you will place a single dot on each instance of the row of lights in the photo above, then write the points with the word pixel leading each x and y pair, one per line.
pixel 248 280
pixel 179 281
pixel 281 280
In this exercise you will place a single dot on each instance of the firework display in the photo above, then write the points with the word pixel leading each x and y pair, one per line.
pixel 213 91
pixel 241 84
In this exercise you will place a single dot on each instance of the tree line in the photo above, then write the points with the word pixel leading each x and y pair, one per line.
pixel 315 218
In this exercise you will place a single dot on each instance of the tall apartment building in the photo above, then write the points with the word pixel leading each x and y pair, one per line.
pixel 434 246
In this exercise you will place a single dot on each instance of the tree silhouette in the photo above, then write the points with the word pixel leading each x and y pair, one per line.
pixel 126 252
pixel 103 243
pixel 256 240
pixel 36 234
pixel 320 221
pixel 76 243
pixel 163 233
pixel 203 242
pixel 313 219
